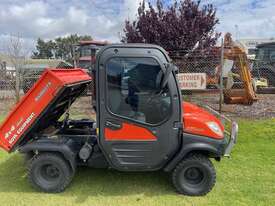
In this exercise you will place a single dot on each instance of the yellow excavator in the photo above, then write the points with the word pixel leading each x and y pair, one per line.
pixel 246 94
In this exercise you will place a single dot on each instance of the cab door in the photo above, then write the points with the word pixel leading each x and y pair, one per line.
pixel 138 121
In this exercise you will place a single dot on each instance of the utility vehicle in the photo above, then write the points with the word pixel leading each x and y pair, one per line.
pixel 141 123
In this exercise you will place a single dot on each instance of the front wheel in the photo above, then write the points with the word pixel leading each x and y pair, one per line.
pixel 49 172
pixel 195 175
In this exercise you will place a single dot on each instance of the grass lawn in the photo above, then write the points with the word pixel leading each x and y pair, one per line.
pixel 248 178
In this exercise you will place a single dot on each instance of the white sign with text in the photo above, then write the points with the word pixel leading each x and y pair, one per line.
pixel 192 81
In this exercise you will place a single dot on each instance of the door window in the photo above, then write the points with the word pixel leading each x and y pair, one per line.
pixel 134 90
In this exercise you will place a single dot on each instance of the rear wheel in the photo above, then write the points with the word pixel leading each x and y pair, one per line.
pixel 49 172
pixel 195 175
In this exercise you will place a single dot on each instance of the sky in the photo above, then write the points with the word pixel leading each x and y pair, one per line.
pixel 104 19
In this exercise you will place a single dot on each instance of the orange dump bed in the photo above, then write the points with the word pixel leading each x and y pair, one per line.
pixel 46 101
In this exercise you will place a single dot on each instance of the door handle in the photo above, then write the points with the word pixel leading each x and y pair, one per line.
pixel 113 126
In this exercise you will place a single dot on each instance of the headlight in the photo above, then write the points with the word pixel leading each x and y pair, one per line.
pixel 215 128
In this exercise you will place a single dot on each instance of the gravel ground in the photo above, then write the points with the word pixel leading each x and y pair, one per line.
pixel 264 108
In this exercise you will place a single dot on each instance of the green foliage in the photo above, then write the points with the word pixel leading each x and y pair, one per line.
pixel 44 49
pixel 179 26
pixel 59 48
pixel 246 179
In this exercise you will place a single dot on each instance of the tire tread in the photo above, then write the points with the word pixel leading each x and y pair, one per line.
pixel 61 160
pixel 194 157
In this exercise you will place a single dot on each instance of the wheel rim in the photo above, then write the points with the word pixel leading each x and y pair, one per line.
pixel 49 173
pixel 192 176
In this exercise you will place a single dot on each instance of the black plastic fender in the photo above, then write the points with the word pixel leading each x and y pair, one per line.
pixel 195 143
pixel 62 146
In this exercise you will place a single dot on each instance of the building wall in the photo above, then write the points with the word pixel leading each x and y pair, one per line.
pixel 251 44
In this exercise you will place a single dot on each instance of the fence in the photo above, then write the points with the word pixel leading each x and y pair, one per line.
pixel 264 70
pixel 234 85
pixel 218 80
pixel 202 70
pixel 7 84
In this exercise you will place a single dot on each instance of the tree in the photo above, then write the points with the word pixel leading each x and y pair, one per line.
pixel 64 46
pixel 180 26
pixel 17 55
pixel 45 49
pixel 60 47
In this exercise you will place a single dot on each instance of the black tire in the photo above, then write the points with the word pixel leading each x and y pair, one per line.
pixel 195 175
pixel 49 172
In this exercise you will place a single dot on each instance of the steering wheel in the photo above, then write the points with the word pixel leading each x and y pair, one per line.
pixel 164 108
pixel 158 104
pixel 154 95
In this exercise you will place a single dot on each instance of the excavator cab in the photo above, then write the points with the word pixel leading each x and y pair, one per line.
pixel 141 124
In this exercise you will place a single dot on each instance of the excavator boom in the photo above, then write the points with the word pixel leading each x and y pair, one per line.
pixel 236 53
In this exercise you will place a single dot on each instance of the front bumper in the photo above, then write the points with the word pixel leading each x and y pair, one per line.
pixel 231 131
pixel 232 139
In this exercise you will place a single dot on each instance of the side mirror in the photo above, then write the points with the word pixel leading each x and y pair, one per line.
pixel 169 69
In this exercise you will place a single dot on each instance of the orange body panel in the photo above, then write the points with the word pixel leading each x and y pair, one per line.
pixel 35 101
pixel 129 132
pixel 195 121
